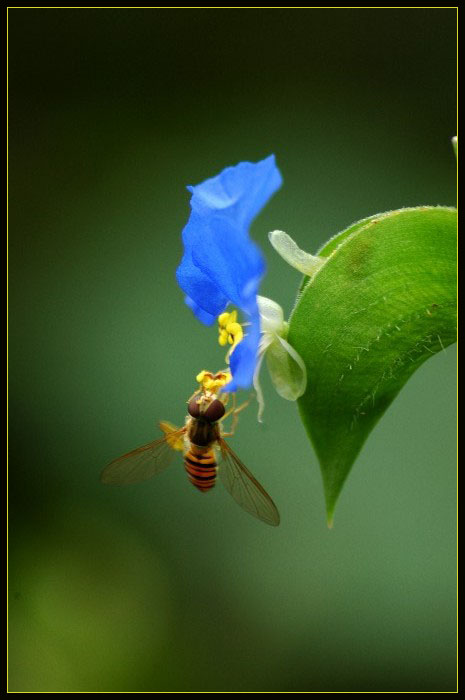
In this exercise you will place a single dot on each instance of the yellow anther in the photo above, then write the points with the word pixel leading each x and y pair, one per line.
pixel 227 317
pixel 219 381
pixel 229 330
pixel 235 333
pixel 223 337
pixel 213 382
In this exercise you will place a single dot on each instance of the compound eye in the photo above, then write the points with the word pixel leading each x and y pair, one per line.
pixel 215 411
pixel 193 408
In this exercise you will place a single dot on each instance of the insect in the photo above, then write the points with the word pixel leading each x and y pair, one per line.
pixel 206 453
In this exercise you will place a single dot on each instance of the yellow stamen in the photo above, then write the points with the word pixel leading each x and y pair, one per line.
pixel 202 375
pixel 223 337
pixel 230 331
pixel 227 317
pixel 235 333
pixel 212 383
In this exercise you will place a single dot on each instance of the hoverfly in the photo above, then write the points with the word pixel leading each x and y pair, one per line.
pixel 206 453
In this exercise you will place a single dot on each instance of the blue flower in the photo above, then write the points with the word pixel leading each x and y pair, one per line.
pixel 221 264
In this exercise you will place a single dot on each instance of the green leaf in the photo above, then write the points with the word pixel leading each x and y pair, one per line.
pixel 383 302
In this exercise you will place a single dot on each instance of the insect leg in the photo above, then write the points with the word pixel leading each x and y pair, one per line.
pixel 225 398
pixel 231 410
pixel 194 394
pixel 235 413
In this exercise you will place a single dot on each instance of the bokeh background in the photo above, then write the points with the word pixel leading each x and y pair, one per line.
pixel 155 587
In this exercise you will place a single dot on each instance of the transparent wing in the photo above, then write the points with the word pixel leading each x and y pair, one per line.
pixel 143 462
pixel 244 488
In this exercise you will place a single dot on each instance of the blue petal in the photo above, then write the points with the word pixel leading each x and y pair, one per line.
pixel 202 315
pixel 221 264
pixel 244 357
pixel 229 259
pixel 240 191
pixel 201 290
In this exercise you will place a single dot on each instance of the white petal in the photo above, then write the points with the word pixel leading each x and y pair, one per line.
pixel 287 369
pixel 293 255
pixel 271 315
pixel 265 342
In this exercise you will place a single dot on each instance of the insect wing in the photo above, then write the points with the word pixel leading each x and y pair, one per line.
pixel 143 462
pixel 244 488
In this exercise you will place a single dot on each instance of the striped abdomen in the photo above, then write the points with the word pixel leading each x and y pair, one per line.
pixel 201 467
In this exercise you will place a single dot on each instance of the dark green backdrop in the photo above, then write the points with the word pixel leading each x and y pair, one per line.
pixel 156 587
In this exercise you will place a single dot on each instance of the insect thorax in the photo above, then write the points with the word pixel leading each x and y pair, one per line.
pixel 201 432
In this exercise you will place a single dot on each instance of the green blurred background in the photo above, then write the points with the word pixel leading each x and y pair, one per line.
pixel 156 587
